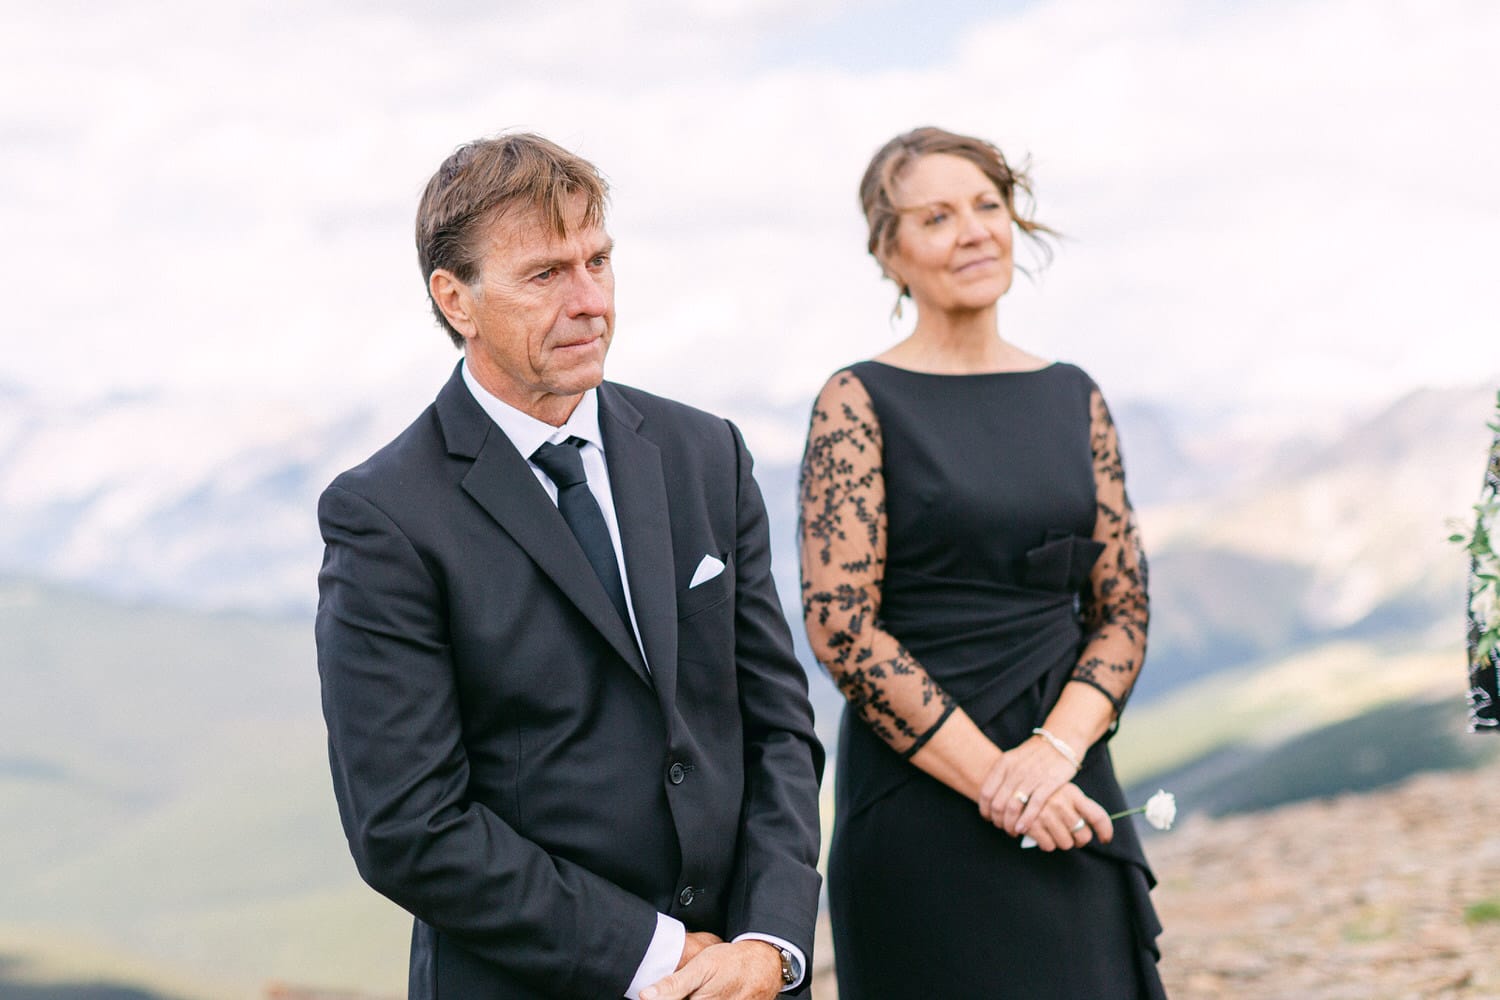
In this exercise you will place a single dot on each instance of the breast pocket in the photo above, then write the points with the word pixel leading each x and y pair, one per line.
pixel 708 594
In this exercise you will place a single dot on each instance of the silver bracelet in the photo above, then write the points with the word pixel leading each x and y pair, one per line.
pixel 1060 746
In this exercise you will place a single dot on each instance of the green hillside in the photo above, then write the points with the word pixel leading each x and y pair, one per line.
pixel 12 989
pixel 164 779
pixel 1341 717
pixel 1372 750
pixel 171 831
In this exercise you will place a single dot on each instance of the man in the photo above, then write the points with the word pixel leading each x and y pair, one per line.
pixel 566 728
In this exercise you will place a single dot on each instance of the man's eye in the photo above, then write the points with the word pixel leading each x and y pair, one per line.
pixel 600 260
pixel 546 275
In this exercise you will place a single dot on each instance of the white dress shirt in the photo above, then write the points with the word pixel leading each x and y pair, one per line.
pixel 528 434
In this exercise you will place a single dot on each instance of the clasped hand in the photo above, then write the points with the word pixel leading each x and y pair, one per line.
pixel 713 970
pixel 1030 790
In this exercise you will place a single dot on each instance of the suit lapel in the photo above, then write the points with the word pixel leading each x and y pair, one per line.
pixel 503 484
pixel 640 492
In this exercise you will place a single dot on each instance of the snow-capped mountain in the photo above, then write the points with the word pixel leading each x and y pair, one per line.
pixel 1277 533
pixel 207 503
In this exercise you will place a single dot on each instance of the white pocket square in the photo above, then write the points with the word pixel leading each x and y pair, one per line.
pixel 706 571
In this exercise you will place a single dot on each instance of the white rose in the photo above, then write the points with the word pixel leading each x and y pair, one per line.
pixel 1161 810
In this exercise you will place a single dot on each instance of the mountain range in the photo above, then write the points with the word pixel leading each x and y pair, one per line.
pixel 162 765
pixel 1263 530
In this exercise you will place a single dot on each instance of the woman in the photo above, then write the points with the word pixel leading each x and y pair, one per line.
pixel 973 580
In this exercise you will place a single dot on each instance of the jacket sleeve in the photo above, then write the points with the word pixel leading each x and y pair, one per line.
pixel 775 883
pixel 401 775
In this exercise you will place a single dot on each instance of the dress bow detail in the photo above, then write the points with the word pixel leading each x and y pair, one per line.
pixel 1061 563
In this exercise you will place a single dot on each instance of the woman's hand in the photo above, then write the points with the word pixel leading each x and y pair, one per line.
pixel 1021 784
pixel 1071 819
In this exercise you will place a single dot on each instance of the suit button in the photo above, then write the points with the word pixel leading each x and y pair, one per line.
pixel 687 896
pixel 676 773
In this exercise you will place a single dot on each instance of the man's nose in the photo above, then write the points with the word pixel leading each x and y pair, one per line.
pixel 588 294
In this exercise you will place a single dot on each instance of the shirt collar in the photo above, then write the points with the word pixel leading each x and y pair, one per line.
pixel 528 433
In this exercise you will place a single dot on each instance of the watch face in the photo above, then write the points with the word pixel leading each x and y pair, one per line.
pixel 788 974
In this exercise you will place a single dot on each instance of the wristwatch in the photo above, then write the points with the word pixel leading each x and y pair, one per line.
pixel 788 973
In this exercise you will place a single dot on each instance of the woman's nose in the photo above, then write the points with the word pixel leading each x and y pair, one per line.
pixel 971 228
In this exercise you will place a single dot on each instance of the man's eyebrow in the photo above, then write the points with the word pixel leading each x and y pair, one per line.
pixel 539 263
pixel 545 262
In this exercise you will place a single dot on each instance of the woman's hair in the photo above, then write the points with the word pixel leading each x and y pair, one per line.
pixel 893 159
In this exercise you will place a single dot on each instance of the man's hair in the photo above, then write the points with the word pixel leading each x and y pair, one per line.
pixel 482 181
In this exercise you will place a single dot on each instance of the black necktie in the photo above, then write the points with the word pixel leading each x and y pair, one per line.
pixel 564 466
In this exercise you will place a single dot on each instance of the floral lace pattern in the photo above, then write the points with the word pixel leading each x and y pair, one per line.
pixel 843 537
pixel 843 524
pixel 1116 608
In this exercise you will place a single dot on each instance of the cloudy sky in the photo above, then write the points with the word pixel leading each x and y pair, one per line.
pixel 1268 205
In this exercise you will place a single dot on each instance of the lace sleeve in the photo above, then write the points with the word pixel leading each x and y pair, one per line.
pixel 843 543
pixel 1116 608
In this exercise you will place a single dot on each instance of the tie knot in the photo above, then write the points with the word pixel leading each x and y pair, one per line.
pixel 561 462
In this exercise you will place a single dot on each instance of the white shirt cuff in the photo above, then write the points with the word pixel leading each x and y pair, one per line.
pixel 799 961
pixel 662 955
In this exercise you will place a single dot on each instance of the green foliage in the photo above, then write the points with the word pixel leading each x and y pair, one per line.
pixel 1486 911
pixel 1486 643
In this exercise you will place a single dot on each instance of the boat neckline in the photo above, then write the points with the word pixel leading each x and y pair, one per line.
pixel 1009 371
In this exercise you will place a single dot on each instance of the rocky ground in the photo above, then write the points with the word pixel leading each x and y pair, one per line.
pixel 1384 896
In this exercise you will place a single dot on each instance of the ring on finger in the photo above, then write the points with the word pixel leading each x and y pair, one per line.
pixel 1022 798
pixel 1079 825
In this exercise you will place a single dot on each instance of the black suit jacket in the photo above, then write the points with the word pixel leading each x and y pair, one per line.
pixel 506 767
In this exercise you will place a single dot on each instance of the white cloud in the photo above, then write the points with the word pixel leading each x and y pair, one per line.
pixel 1268 204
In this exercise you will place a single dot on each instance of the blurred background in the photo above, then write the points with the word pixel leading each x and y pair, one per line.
pixel 1278 263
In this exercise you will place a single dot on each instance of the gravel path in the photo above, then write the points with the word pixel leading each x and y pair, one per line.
pixel 1361 897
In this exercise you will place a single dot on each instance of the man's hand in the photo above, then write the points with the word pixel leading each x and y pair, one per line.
pixel 745 970
pixel 695 942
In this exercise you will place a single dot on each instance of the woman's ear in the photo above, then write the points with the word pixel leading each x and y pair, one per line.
pixel 887 269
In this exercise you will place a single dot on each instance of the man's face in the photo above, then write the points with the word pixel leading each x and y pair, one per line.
pixel 542 312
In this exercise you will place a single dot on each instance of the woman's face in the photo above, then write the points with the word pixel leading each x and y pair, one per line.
pixel 953 243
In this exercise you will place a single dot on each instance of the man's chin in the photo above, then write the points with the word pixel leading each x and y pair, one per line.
pixel 583 375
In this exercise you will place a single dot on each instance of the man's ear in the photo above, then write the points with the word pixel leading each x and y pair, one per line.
pixel 456 299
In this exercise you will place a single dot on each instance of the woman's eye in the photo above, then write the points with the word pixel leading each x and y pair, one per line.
pixel 935 219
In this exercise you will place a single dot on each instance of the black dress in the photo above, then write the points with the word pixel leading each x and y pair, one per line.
pixel 967 541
